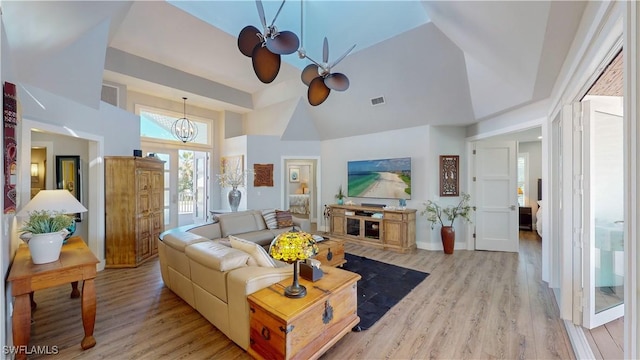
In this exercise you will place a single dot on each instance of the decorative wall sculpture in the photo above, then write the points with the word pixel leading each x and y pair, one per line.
pixel 10 106
pixel 263 175
pixel 449 177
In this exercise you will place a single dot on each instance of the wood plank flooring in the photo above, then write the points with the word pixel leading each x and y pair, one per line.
pixel 474 305
pixel 607 341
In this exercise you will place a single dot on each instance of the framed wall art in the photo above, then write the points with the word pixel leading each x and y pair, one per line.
pixel 294 174
pixel 231 164
pixel 263 175
pixel 449 176
pixel 68 176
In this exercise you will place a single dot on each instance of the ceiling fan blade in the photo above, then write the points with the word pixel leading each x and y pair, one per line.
pixel 278 13
pixel 325 51
pixel 342 57
pixel 337 81
pixel 309 73
pixel 318 92
pixel 248 39
pixel 285 42
pixel 265 64
pixel 263 20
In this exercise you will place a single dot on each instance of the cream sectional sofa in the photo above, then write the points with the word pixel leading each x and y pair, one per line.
pixel 198 265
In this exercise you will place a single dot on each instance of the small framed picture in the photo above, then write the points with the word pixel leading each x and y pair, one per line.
pixel 294 175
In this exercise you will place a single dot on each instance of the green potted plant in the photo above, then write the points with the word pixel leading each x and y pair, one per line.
pixel 340 196
pixel 436 214
pixel 44 231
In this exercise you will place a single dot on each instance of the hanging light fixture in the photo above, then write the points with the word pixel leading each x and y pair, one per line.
pixel 184 129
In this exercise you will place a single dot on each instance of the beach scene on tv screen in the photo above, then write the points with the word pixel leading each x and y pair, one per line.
pixel 385 178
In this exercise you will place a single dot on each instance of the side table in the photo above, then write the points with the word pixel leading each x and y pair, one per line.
pixel 304 328
pixel 76 263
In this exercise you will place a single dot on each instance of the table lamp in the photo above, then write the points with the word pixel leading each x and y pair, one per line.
pixel 54 201
pixel 291 247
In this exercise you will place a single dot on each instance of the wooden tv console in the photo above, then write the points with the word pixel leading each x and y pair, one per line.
pixel 384 229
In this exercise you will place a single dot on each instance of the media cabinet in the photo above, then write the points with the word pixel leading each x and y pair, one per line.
pixel 383 229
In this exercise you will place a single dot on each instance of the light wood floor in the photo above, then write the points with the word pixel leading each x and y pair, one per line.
pixel 474 305
pixel 607 341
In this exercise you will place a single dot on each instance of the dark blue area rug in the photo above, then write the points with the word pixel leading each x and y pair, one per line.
pixel 381 287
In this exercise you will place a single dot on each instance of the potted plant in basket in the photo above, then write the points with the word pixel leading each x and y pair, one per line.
pixel 340 196
pixel 436 212
pixel 44 231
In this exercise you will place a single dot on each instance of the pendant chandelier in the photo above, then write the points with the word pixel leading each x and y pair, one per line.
pixel 184 129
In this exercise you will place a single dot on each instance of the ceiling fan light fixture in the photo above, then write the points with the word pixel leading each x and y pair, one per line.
pixel 266 64
pixel 184 129
pixel 318 92
pixel 309 73
pixel 265 49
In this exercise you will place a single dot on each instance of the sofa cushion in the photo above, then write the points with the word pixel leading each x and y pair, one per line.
pixel 263 237
pixel 209 231
pixel 269 216
pixel 257 252
pixel 284 218
pixel 216 256
pixel 179 240
pixel 241 222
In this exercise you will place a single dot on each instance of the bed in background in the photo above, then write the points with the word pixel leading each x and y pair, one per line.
pixel 299 204
pixel 539 212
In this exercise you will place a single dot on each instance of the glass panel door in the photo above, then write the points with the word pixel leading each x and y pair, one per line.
pixel 201 190
pixel 603 275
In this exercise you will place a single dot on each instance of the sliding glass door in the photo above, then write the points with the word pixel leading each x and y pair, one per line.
pixel 603 252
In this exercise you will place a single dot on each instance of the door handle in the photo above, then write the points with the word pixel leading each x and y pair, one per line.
pixel 512 207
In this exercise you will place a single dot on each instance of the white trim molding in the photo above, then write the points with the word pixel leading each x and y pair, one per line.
pixel 631 52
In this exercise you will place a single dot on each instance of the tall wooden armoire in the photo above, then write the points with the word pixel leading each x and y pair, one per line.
pixel 134 208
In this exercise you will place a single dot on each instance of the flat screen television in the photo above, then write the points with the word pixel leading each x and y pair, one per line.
pixel 382 179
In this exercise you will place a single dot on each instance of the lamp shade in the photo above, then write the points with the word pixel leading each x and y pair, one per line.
pixel 292 246
pixel 53 200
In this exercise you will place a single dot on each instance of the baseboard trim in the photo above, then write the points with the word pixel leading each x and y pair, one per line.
pixel 579 343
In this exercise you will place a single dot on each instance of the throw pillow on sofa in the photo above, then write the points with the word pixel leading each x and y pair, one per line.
pixel 258 254
pixel 284 218
pixel 269 216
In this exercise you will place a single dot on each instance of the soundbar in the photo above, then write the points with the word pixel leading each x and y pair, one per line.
pixel 373 205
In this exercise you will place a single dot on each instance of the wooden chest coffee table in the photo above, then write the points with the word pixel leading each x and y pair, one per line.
pixel 305 328
pixel 331 252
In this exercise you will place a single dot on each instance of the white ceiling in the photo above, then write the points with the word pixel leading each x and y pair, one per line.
pixel 439 63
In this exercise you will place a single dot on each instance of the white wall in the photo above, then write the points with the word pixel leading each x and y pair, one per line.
pixel 272 150
pixel 424 144
pixel 447 140
pixel 233 147
pixel 67 145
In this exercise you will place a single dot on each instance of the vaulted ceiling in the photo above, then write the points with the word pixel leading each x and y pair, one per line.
pixel 439 63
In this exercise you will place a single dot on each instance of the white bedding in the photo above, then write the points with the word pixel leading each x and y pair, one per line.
pixel 299 204
pixel 539 218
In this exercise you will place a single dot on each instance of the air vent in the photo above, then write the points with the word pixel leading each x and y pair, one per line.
pixel 377 101
pixel 110 94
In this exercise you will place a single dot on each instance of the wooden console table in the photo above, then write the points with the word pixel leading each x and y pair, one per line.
pixel 383 229
pixel 305 328
pixel 76 263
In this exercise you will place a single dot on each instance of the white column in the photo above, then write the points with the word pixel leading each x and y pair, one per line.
pixel 632 177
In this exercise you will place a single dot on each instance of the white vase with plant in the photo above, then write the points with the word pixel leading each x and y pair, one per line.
pixel 44 231
pixel 445 216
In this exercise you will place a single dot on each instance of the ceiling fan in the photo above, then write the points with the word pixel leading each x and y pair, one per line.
pixel 319 78
pixel 264 48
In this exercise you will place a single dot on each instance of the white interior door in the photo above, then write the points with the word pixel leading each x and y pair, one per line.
pixel 604 231
pixel 496 203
